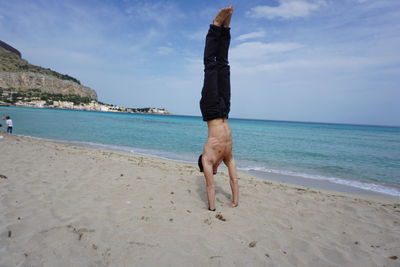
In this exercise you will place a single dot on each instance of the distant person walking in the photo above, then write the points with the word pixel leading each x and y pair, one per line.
pixel 9 124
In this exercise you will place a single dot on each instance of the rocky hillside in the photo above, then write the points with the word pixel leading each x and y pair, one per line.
pixel 16 72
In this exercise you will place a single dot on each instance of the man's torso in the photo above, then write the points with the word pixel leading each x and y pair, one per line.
pixel 219 143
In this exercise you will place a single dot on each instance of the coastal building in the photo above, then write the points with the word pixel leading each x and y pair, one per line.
pixel 32 103
pixel 63 104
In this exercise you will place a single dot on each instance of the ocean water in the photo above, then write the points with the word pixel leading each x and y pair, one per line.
pixel 366 157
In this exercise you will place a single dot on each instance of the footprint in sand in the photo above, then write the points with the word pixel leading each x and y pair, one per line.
pixel 252 244
pixel 144 218
pixel 220 217
pixel 207 221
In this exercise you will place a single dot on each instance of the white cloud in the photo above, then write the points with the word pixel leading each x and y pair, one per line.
pixel 251 35
pixel 162 13
pixel 286 10
pixel 256 50
pixel 197 35
pixel 324 64
pixel 164 50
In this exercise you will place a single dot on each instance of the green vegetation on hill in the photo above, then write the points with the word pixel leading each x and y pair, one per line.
pixel 10 62
pixel 12 95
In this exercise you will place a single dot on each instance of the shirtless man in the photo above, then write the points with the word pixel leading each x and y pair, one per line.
pixel 215 107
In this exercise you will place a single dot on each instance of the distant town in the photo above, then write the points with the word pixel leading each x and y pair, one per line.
pixel 26 85
pixel 38 99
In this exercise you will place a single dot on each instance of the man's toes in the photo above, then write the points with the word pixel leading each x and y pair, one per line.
pixel 220 17
pixel 227 20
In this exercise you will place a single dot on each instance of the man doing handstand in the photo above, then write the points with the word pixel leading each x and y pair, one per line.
pixel 215 107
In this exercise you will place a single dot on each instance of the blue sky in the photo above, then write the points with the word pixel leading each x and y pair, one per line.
pixel 300 60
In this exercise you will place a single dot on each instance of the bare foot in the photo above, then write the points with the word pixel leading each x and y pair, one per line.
pixel 228 18
pixel 221 16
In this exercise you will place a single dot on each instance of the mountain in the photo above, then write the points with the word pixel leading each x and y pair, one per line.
pixel 17 73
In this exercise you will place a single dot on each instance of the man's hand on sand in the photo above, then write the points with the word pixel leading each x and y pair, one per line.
pixel 233 205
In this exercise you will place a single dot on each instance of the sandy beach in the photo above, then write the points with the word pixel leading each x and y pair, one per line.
pixel 63 205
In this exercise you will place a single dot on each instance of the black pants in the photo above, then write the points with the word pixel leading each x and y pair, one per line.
pixel 216 94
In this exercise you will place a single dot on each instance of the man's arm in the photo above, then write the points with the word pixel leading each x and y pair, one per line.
pixel 208 174
pixel 233 180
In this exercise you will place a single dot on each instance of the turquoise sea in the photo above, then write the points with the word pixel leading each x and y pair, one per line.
pixel 364 157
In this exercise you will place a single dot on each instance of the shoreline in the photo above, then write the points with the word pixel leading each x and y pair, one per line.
pixel 277 179
pixel 288 179
pixel 324 186
pixel 371 172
